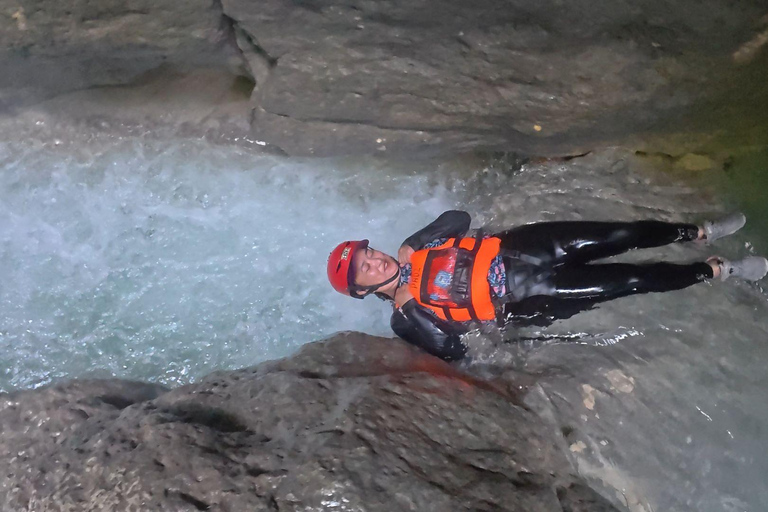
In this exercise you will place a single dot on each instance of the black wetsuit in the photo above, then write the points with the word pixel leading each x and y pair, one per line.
pixel 549 275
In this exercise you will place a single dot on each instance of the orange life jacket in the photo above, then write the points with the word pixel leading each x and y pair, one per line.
pixel 452 279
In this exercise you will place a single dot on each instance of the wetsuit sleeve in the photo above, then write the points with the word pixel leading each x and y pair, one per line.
pixel 450 224
pixel 419 327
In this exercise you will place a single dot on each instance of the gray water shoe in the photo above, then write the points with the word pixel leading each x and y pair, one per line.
pixel 728 225
pixel 751 268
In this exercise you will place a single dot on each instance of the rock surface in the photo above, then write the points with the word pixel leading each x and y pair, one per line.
pixel 352 423
pixel 49 47
pixel 378 77
pixel 400 75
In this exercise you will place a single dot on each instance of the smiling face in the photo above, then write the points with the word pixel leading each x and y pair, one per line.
pixel 373 267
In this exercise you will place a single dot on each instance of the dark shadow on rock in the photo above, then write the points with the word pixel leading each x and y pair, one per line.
pixel 211 417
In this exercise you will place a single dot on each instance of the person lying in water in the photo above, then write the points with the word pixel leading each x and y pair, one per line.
pixel 443 280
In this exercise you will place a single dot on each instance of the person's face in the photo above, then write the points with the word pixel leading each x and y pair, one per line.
pixel 373 267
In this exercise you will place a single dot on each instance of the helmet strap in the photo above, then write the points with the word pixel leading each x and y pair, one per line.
pixel 355 290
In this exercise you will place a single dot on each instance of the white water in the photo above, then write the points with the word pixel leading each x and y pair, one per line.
pixel 164 262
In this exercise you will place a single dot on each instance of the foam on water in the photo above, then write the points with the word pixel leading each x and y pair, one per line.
pixel 165 262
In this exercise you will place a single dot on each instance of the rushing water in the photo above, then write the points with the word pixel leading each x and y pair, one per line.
pixel 165 261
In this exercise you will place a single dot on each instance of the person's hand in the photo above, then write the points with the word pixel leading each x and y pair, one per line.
pixel 404 254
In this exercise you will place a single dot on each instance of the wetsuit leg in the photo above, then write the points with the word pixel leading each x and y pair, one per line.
pixel 570 289
pixel 610 281
pixel 580 242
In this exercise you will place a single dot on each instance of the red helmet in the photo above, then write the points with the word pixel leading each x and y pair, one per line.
pixel 340 269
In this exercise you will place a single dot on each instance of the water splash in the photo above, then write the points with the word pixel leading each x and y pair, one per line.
pixel 165 262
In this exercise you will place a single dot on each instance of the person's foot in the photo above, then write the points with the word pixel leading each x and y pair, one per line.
pixel 751 268
pixel 728 225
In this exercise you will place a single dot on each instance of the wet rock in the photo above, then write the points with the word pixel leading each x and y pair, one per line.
pixel 50 47
pixel 355 422
pixel 385 78
pixel 511 76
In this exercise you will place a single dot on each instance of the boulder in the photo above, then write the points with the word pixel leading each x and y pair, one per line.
pixel 351 423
